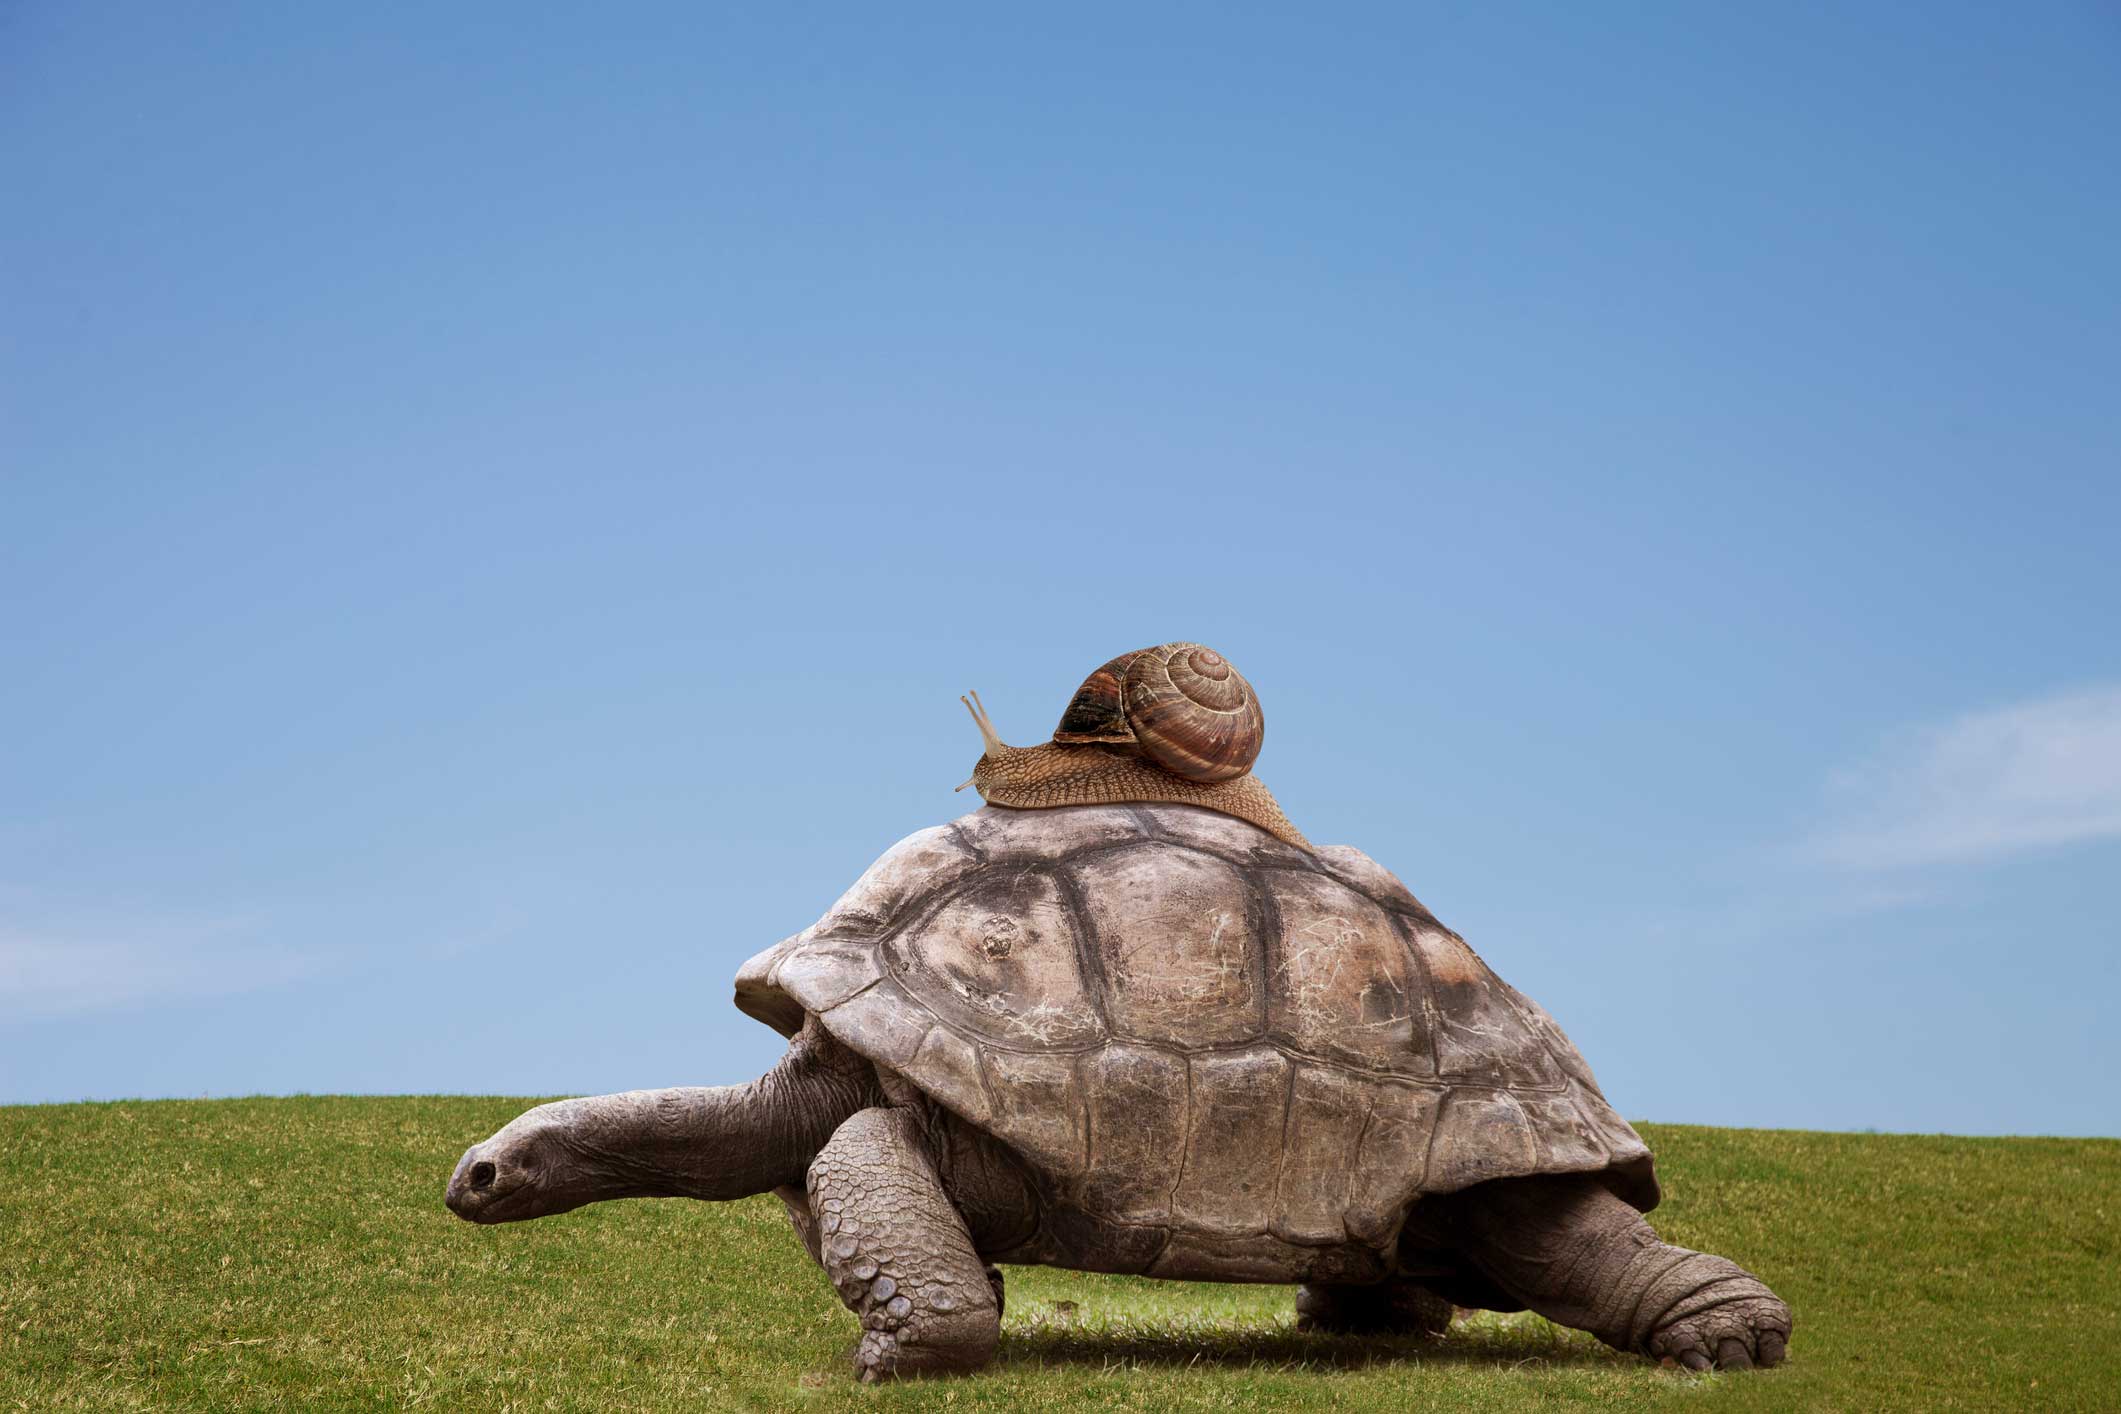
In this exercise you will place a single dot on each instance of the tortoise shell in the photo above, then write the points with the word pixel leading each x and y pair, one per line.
pixel 1184 1023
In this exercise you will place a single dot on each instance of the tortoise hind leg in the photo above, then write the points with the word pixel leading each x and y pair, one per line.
pixel 1396 1307
pixel 898 1252
pixel 1566 1247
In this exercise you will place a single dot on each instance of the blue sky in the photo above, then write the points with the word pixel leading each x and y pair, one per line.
pixel 497 506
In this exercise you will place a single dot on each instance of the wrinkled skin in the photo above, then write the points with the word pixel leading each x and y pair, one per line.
pixel 906 1207
pixel 716 1143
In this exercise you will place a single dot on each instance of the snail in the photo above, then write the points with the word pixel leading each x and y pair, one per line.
pixel 1174 723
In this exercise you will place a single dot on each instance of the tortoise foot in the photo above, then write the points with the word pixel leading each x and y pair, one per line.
pixel 1750 1332
pixel 895 1354
pixel 877 1357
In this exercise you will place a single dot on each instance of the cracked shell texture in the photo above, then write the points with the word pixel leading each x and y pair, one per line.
pixel 1182 1020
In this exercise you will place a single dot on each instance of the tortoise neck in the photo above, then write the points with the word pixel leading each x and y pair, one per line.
pixel 724 1141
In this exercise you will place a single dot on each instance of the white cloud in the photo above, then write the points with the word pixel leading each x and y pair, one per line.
pixel 2036 775
pixel 52 966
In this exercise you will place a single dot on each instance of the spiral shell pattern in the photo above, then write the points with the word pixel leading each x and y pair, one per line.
pixel 1193 713
pixel 1181 704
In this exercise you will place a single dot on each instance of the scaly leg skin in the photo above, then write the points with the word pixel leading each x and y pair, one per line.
pixel 1384 1308
pixel 1570 1250
pixel 898 1252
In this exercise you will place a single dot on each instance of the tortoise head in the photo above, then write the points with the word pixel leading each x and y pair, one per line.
pixel 529 1169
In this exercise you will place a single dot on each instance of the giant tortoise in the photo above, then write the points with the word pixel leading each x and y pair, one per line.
pixel 1153 1038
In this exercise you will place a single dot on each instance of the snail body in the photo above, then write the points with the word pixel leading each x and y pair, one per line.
pixel 1172 723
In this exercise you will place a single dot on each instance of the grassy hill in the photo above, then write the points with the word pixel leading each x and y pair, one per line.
pixel 294 1254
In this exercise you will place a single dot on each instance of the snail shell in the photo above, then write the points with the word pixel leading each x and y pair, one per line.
pixel 1181 705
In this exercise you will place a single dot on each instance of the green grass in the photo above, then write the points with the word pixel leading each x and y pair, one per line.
pixel 294 1254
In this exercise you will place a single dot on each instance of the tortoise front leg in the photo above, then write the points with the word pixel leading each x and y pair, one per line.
pixel 797 1202
pixel 898 1252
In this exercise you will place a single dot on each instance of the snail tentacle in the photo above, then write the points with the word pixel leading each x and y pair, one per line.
pixel 980 719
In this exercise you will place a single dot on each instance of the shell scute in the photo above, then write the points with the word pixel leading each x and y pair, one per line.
pixel 1566 1139
pixel 1328 1110
pixel 1478 1034
pixel 1038 1107
pixel 1177 936
pixel 1000 960
pixel 1392 1160
pixel 880 1021
pixel 1236 1104
pixel 821 975
pixel 1342 984
pixel 1481 1134
pixel 949 1069
pixel 1137 1101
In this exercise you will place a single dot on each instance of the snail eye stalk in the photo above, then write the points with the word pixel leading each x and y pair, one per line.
pixel 985 724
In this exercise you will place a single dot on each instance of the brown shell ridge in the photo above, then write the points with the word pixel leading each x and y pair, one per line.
pixel 1281 1147
pixel 1088 957
pixel 1178 1173
pixel 1431 1019
pixel 1181 1225
pixel 1262 951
